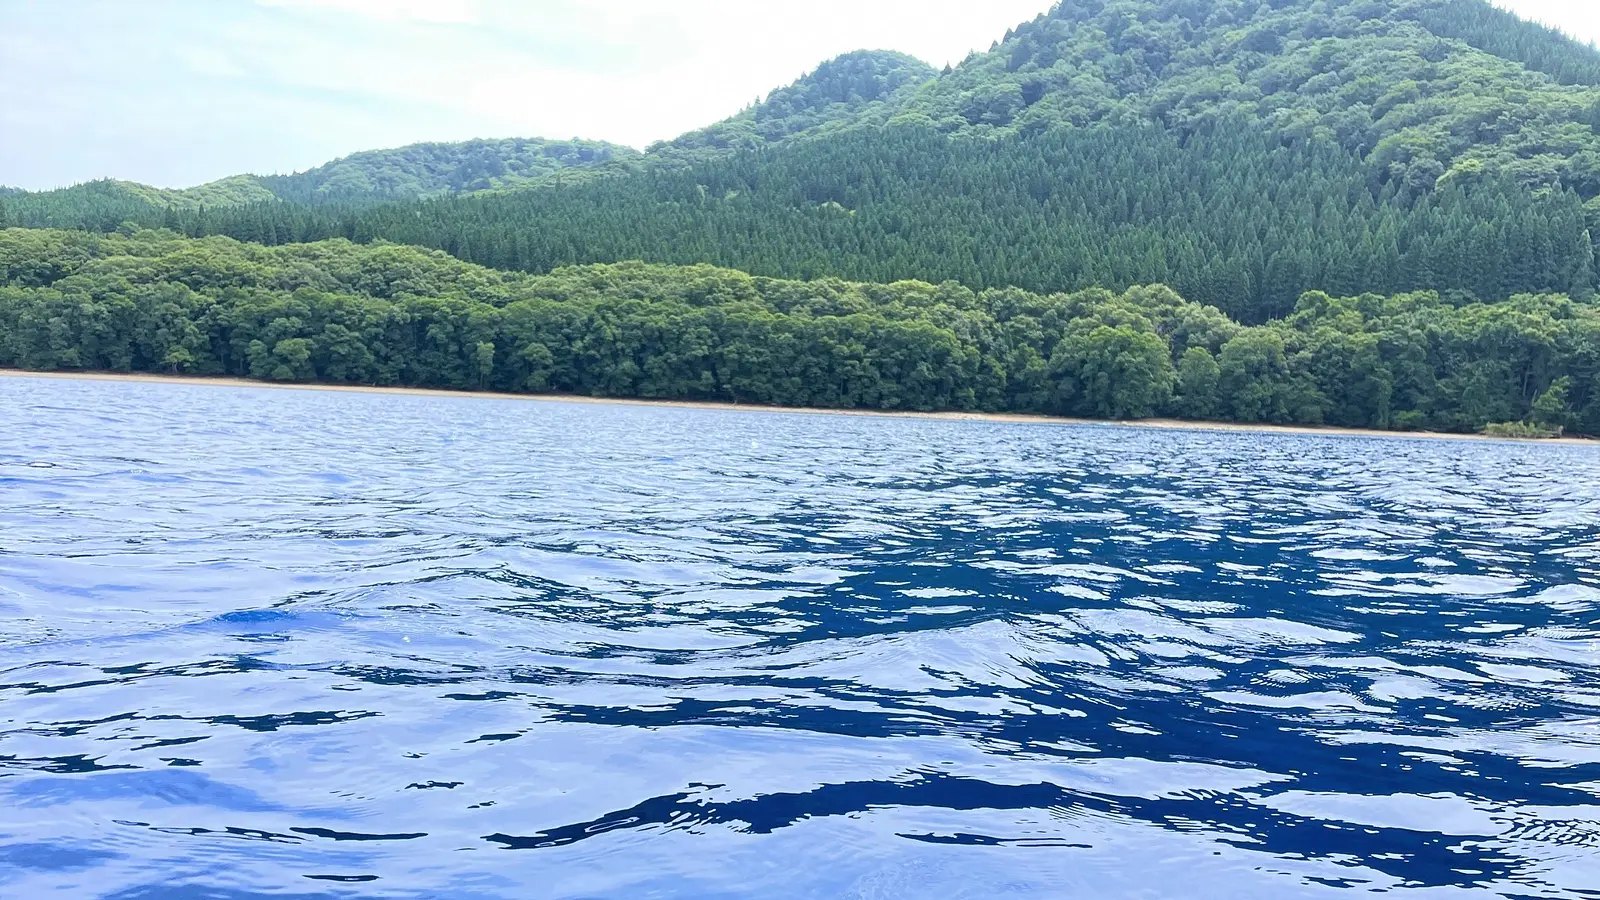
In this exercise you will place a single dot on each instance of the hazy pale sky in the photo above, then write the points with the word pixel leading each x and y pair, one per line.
pixel 178 92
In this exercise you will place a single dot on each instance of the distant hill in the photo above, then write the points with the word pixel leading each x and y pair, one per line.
pixel 105 204
pixel 375 176
pixel 429 170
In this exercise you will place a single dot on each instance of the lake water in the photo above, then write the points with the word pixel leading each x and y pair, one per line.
pixel 289 644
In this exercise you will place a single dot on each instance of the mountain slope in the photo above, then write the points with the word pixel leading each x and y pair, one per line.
pixel 1494 30
pixel 1420 105
pixel 1244 151
pixel 840 91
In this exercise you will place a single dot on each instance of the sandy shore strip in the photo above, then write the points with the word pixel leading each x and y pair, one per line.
pixel 1023 418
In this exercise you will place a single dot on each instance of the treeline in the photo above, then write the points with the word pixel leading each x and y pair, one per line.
pixel 344 313
pixel 1230 219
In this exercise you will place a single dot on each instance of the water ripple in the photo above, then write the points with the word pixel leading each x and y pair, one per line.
pixel 332 645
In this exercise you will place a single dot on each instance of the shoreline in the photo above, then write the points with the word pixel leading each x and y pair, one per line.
pixel 1011 418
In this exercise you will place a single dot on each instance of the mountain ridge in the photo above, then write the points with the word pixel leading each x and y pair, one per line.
pixel 848 83
pixel 843 89
pixel 414 171
pixel 1052 71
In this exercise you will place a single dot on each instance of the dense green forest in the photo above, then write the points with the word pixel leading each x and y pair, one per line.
pixel 1230 219
pixel 392 315
pixel 1369 212
pixel 1243 151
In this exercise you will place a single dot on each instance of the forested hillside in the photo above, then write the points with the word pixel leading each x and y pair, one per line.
pixel 1243 151
pixel 384 314
pixel 427 170
pixel 1403 84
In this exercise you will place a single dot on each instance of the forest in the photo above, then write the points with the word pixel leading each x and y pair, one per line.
pixel 1358 212
pixel 383 314
pixel 1242 151
pixel 1226 219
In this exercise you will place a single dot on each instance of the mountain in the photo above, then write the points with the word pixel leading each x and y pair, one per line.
pixel 107 203
pixel 1422 90
pixel 1243 151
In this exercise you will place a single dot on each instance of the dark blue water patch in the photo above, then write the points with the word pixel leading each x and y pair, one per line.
pixel 435 647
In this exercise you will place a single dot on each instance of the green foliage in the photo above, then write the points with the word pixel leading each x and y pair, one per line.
pixel 1232 219
pixel 1199 377
pixel 1112 373
pixel 1502 33
pixel 391 315
pixel 1550 407
pixel 1520 430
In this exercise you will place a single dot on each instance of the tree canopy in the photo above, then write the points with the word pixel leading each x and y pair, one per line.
pixel 392 315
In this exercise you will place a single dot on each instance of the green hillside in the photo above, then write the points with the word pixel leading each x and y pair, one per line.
pixel 367 178
pixel 854 87
pixel 1243 151
pixel 428 170
pixel 1422 90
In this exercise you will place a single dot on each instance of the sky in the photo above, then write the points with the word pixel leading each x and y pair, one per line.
pixel 180 92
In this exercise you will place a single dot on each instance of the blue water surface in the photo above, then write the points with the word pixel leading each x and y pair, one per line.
pixel 295 644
